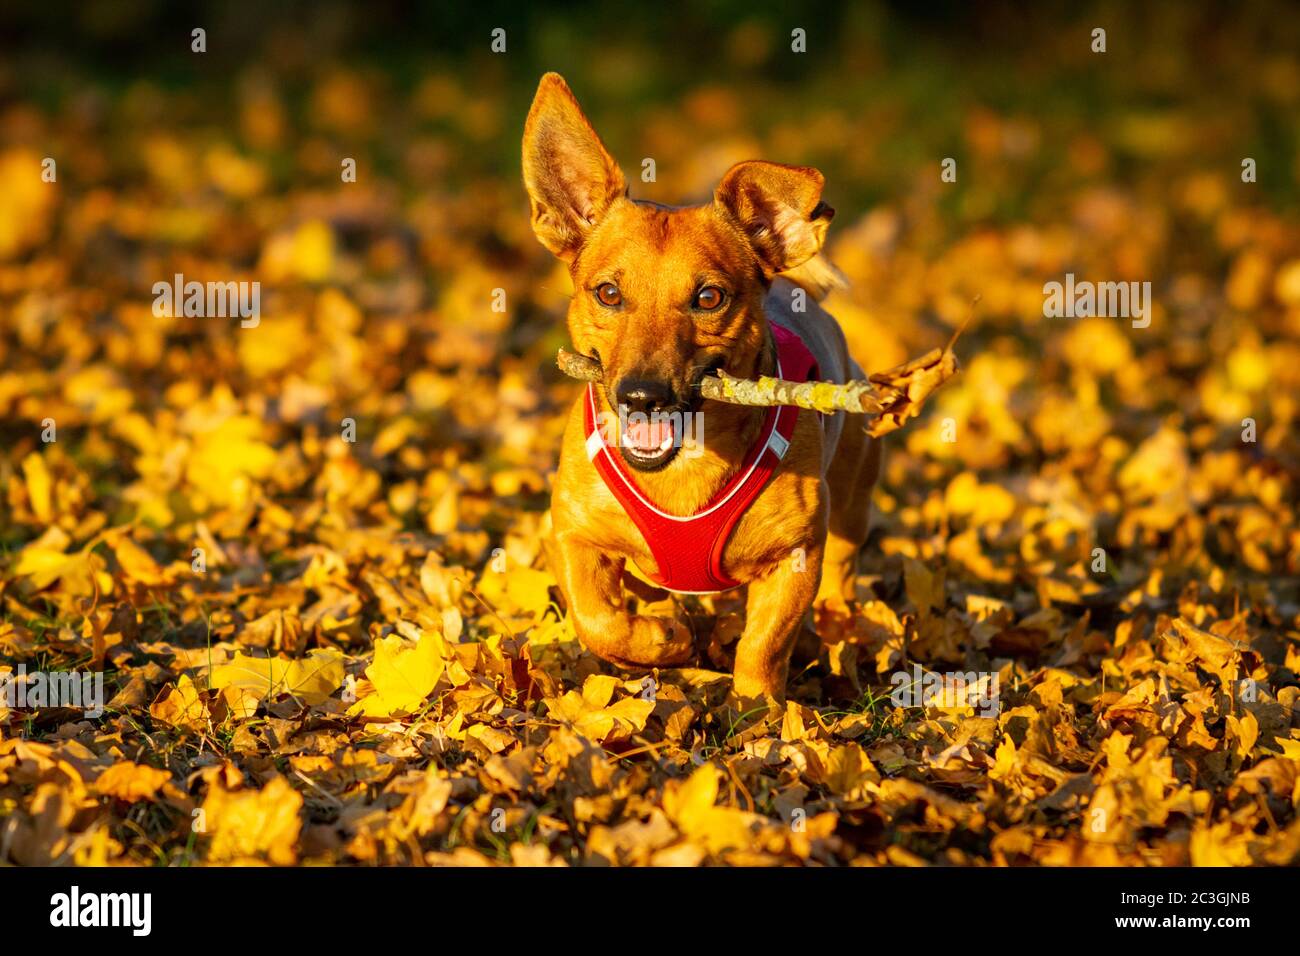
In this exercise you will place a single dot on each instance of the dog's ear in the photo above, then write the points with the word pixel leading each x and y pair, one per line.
pixel 779 208
pixel 570 177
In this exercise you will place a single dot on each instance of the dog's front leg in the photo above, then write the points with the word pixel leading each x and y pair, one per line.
pixel 774 609
pixel 592 583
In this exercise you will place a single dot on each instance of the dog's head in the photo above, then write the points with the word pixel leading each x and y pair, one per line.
pixel 662 296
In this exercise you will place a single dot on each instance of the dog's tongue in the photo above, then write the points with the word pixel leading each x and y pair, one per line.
pixel 648 436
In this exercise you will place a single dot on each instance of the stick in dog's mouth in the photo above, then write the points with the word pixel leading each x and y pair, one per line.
pixel 892 397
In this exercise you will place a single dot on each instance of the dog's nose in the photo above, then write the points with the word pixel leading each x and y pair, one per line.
pixel 644 395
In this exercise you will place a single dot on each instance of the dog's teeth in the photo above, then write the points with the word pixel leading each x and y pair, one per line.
pixel 639 447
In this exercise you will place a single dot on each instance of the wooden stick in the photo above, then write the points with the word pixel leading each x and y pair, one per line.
pixel 892 396
pixel 856 397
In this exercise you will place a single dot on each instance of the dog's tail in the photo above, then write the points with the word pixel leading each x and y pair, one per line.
pixel 818 277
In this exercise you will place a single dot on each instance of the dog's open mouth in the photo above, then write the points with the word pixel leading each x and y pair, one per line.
pixel 649 442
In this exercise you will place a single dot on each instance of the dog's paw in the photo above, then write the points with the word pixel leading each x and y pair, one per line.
pixel 661 641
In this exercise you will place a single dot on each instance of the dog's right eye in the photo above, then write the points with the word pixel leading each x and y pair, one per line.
pixel 607 294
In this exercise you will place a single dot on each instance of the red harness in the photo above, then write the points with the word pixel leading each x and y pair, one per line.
pixel 688 549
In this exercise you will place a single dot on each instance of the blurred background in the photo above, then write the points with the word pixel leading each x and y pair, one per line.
pixel 225 165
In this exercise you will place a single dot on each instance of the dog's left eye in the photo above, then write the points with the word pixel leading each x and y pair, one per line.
pixel 607 293
pixel 709 298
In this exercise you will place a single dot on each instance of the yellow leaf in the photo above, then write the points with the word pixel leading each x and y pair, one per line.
pixel 424 805
pixel 44 566
pixel 313 679
pixel 598 689
pixel 307 253
pixel 527 589
pixel 847 768
pixel 924 588
pixel 691 807
pixel 984 503
pixel 251 824
pixel 130 781
pixel 40 487
pixel 402 675
pixel 692 799
pixel 1290 749
pixel 1246 731
pixel 616 722
pixel 279 344
pixel 1217 845
pixel 518 589
pixel 594 717
pixel 181 706
pixel 43 562
pixel 137 563
pixel 25 203
pixel 227 458
pixel 240 701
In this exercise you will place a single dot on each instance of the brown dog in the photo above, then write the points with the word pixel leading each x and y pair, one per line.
pixel 663 296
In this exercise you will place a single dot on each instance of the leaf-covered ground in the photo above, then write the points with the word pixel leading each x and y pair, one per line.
pixel 319 650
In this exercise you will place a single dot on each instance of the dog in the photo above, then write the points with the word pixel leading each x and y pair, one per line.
pixel 773 500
